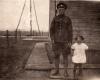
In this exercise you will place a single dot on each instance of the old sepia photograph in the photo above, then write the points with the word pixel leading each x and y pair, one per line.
pixel 49 39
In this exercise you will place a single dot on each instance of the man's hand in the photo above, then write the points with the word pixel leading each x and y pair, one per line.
pixel 51 41
pixel 69 44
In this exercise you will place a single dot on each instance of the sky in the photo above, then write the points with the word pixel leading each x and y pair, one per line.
pixel 10 11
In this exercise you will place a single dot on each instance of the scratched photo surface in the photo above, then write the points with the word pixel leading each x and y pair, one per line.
pixel 25 44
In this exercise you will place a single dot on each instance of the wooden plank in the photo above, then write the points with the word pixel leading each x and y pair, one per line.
pixel 38 59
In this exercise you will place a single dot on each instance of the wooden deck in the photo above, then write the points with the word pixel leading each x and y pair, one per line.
pixel 38 67
pixel 39 60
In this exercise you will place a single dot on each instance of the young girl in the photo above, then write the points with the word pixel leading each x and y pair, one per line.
pixel 79 56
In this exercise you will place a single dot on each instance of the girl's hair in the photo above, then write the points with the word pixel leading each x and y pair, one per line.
pixel 81 37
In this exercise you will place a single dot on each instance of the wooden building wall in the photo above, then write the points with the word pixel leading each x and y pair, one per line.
pixel 85 16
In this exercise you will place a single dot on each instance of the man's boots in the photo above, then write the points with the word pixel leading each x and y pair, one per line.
pixel 66 73
pixel 55 72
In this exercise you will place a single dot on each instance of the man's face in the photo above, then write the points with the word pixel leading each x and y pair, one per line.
pixel 61 11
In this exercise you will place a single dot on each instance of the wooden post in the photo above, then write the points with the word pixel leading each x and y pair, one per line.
pixel 42 33
pixel 33 32
pixel 7 36
pixel 20 34
pixel 16 36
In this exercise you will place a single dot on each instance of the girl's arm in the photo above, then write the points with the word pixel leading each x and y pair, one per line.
pixel 72 52
pixel 72 49
pixel 86 47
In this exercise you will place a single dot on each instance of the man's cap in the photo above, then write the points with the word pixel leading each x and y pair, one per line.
pixel 61 4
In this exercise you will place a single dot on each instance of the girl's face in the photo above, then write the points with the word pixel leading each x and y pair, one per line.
pixel 79 40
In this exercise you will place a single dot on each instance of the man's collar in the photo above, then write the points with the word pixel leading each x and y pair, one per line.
pixel 61 15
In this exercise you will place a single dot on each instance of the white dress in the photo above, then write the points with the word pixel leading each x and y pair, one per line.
pixel 79 55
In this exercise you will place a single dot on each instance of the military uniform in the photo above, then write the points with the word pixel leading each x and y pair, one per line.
pixel 61 29
pixel 61 36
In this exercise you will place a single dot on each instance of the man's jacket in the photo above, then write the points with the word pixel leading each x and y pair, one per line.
pixel 61 29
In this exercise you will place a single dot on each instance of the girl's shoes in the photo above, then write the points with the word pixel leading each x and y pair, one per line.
pixel 79 75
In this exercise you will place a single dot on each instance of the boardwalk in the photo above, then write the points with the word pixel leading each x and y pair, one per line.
pixel 38 58
pixel 38 64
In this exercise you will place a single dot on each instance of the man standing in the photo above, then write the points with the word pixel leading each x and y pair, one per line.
pixel 61 37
